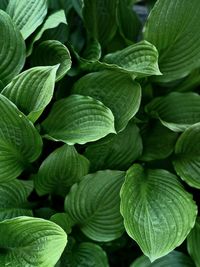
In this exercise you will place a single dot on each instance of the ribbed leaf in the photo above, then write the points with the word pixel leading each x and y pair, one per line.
pixel 158 213
pixel 193 243
pixel 62 168
pixel 173 28
pixel 27 241
pixel 12 47
pixel 93 204
pixel 27 14
pixel 13 200
pixel 115 151
pixel 173 259
pixel 20 142
pixel 52 21
pixel 3 4
pixel 187 156
pixel 140 59
pixel 117 91
pixel 78 119
pixel 176 111
pixel 50 53
pixel 32 90
pixel 63 220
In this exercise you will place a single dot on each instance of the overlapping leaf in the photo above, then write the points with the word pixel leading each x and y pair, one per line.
pixel 193 243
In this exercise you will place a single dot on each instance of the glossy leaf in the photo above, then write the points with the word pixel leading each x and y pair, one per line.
pixel 27 241
pixel 117 91
pixel 78 119
pixel 193 243
pixel 32 90
pixel 187 156
pixel 12 47
pixel 158 213
pixel 61 169
pixel 175 34
pixel 93 204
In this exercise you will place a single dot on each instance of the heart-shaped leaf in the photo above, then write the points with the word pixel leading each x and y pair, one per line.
pixel 193 243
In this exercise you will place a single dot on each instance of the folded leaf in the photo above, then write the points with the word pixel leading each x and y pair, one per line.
pixel 93 204
pixel 32 90
pixel 27 241
pixel 12 47
pixel 176 111
pixel 27 14
pixel 187 156
pixel 61 169
pixel 193 243
pixel 118 91
pixel 78 119
pixel 173 28
pixel 158 213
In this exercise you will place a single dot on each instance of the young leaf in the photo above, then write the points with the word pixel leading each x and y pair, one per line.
pixel 13 200
pixel 93 204
pixel 32 90
pixel 20 143
pixel 27 15
pixel 193 243
pixel 78 119
pixel 116 90
pixel 12 47
pixel 175 34
pixel 32 242
pixel 187 156
pixel 60 170
pixel 51 53
pixel 176 111
pixel 158 213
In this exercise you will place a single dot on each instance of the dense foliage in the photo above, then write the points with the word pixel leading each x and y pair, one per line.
pixel 99 133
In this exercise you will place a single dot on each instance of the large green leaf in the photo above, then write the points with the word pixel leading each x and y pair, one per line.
pixel 187 156
pixel 100 19
pixel 117 91
pixel 13 200
pixel 50 53
pixel 62 168
pixel 115 151
pixel 93 204
pixel 176 111
pixel 173 259
pixel 20 143
pixel 193 243
pixel 32 242
pixel 140 59
pixel 32 90
pixel 158 213
pixel 173 28
pixel 78 119
pixel 12 47
pixel 27 14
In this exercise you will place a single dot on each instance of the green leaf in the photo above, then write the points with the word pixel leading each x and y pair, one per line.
pixel 176 111
pixel 63 220
pixel 27 241
pixel 100 19
pixel 12 47
pixel 158 141
pixel 52 21
pixel 193 243
pixel 107 87
pixel 32 90
pixel 51 53
pixel 187 156
pixel 61 169
pixel 13 200
pixel 78 119
pixel 115 151
pixel 20 143
pixel 93 204
pixel 173 259
pixel 140 59
pixel 78 6
pixel 27 15
pixel 175 34
pixel 3 4
pixel 158 213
